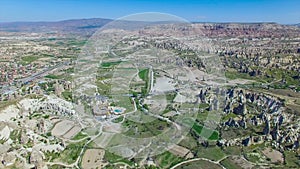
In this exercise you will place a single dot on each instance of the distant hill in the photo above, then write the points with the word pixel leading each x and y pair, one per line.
pixel 75 26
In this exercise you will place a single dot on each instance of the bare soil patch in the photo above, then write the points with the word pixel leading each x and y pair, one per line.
pixel 93 158
pixel 273 155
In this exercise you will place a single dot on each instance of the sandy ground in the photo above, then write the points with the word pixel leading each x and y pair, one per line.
pixel 156 103
pixel 92 158
pixel 163 84
pixel 71 133
pixel 180 98
pixel 62 127
pixel 274 155
pixel 241 161
pixel 4 148
pixel 186 95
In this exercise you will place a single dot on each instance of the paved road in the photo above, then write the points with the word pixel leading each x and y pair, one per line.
pixel 42 73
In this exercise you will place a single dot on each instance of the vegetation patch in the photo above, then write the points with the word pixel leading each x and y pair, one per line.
pixel 52 76
pixel 79 136
pixel 227 163
pixel 113 158
pixel 144 75
pixel 213 153
pixel 189 142
pixel 232 150
pixel 166 160
pixel 291 159
pixel 29 59
pixel 199 129
pixel 118 120
pixel 67 95
pixel 144 130
pixel 109 64
pixel 72 152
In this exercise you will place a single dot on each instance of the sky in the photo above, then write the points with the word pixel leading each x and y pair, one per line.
pixel 280 11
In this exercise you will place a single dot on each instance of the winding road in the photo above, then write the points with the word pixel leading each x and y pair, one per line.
pixel 198 159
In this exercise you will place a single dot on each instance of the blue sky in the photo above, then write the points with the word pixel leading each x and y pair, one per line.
pixel 281 11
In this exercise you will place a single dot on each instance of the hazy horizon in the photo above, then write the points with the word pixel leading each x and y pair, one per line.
pixel 70 19
pixel 219 11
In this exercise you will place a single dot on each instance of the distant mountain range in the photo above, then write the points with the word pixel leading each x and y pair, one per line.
pixel 88 26
pixel 298 24
pixel 74 25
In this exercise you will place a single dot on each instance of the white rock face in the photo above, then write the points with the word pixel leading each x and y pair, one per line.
pixel 53 147
pixel 5 133
pixel 49 103
pixel 29 105
pixel 10 112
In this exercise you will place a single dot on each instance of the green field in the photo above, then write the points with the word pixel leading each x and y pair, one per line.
pixel 232 150
pixel 144 75
pixel 199 129
pixel 167 160
pixel 227 163
pixel 213 153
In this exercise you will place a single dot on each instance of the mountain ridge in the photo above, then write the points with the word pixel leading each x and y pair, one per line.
pixel 88 26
